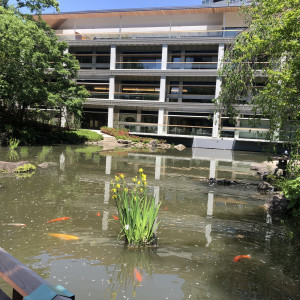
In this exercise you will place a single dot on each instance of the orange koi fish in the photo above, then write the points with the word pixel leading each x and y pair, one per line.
pixel 166 208
pixel 116 218
pixel 98 214
pixel 239 257
pixel 120 174
pixel 137 275
pixel 58 219
pixel 65 237
pixel 15 224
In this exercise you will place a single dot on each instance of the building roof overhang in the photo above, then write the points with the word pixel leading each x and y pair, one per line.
pixel 55 20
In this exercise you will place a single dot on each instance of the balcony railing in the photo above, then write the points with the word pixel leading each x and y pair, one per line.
pixel 137 96
pixel 138 65
pixel 192 65
pixel 99 95
pixel 189 130
pixel 149 35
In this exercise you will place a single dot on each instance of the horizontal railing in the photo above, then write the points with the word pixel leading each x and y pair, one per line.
pixel 192 65
pixel 99 95
pixel 139 127
pixel 137 96
pixel 189 130
pixel 138 65
pixel 244 132
pixel 155 34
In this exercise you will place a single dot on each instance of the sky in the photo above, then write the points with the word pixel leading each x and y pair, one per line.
pixel 79 5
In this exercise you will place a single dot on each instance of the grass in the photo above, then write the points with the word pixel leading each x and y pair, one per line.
pixel 123 134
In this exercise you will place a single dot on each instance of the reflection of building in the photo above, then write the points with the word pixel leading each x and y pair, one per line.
pixel 154 70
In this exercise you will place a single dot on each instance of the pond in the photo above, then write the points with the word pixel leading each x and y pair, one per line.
pixel 202 227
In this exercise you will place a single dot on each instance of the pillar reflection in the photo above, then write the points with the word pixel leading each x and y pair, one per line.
pixel 209 214
pixel 108 165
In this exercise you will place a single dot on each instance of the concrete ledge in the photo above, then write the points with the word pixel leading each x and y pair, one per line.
pixel 213 143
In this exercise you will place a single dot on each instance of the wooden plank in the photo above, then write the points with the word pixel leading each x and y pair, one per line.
pixel 22 279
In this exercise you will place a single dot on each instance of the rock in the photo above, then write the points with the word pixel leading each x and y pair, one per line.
pixel 277 203
pixel 265 186
pixel 10 166
pixel 225 182
pixel 153 144
pixel 264 169
pixel 45 165
pixel 180 147
pixel 164 146
pixel 125 142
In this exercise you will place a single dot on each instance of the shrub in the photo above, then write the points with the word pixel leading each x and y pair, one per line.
pixel 137 210
pixel 291 190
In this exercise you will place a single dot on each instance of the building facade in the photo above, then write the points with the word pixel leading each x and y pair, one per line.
pixel 155 70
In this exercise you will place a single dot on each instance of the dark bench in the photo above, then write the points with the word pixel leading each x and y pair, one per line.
pixel 23 280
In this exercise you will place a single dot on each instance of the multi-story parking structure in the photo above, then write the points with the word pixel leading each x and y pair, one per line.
pixel 154 70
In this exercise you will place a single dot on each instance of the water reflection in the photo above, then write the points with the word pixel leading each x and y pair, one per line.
pixel 201 227
pixel 132 267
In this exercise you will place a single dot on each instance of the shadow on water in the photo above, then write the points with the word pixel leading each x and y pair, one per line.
pixel 202 226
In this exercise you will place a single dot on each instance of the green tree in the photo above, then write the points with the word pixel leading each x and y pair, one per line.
pixel 35 69
pixel 33 5
pixel 266 54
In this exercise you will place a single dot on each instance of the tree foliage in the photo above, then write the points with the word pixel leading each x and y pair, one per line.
pixel 35 6
pixel 35 69
pixel 266 54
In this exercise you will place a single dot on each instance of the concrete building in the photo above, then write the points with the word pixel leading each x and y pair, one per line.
pixel 154 70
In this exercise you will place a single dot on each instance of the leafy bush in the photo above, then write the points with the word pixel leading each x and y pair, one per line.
pixel 137 210
pixel 291 190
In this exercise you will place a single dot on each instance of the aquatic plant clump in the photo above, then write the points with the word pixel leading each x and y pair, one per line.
pixel 25 168
pixel 137 210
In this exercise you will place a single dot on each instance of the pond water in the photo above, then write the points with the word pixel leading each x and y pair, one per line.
pixel 202 227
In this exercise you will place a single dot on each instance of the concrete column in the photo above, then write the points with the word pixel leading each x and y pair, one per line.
pixel 216 118
pixel 94 60
pixel 108 165
pixel 113 56
pixel 63 117
pixel 164 57
pixel 237 131
pixel 111 92
pixel 110 119
pixel 160 127
pixel 138 119
pixel 162 89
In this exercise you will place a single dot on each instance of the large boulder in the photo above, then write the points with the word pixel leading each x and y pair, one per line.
pixel 179 147
pixel 9 167
pixel 277 203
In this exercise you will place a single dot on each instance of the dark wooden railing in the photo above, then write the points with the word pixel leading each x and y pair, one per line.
pixel 23 280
